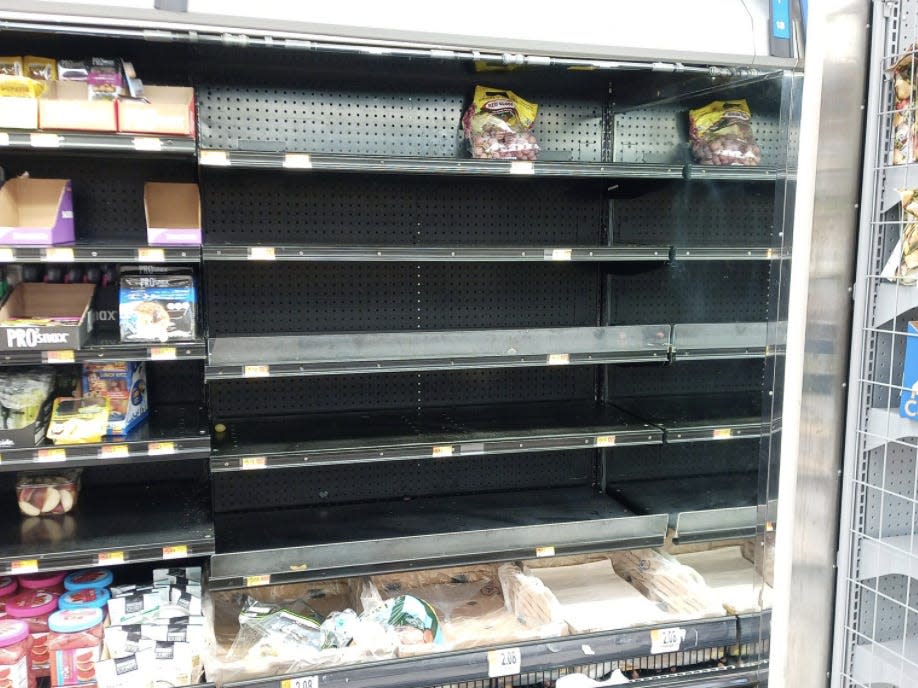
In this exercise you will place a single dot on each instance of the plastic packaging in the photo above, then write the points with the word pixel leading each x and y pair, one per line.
pixel 87 598
pixel 22 396
pixel 133 671
pixel 8 588
pixel 134 608
pixel 75 643
pixel 48 495
pixel 904 129
pixel 34 607
pixel 15 646
pixel 39 68
pixel 721 134
pixel 89 578
pixel 51 582
pixel 79 421
pixel 157 304
pixel 902 265
pixel 498 124
pixel 11 66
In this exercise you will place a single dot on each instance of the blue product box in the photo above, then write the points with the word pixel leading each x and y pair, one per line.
pixel 908 401
pixel 157 304
pixel 124 384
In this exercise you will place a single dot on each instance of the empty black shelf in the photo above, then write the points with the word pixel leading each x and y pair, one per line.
pixel 94 142
pixel 171 432
pixel 334 438
pixel 368 352
pixel 106 348
pixel 700 417
pixel 328 541
pixel 707 507
pixel 101 251
pixel 111 525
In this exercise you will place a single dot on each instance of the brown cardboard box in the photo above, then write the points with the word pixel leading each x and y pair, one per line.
pixel 36 300
pixel 165 110
pixel 173 213
pixel 18 113
pixel 36 211
pixel 66 105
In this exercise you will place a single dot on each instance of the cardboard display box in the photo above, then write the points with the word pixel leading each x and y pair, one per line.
pixel 18 113
pixel 36 211
pixel 124 384
pixel 173 213
pixel 56 317
pixel 66 105
pixel 165 110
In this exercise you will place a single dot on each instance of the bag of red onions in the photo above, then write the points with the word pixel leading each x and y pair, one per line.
pixel 498 125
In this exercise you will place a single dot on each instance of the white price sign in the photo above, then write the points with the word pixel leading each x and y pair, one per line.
pixel 506 662
pixel 663 640
pixel 302 682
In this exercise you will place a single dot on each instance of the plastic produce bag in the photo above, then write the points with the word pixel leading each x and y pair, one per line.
pixel 721 134
pixel 902 265
pixel 498 124
pixel 905 141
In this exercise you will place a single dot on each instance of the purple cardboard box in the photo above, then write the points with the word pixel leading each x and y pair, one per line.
pixel 36 211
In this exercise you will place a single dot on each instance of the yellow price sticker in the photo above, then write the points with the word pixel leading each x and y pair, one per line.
pixel 255 581
pixel 545 552
pixel 110 558
pixel 162 353
pixel 59 357
pixel 262 253
pixel 722 433
pixel 160 448
pixel 442 450
pixel 151 255
pixel 56 454
pixel 251 463
pixel 605 441
pixel 24 566
pixel 114 450
pixel 175 552
pixel 301 682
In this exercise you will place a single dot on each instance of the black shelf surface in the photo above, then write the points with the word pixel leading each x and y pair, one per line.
pixel 335 438
pixel 99 251
pixel 437 254
pixel 535 657
pixel 110 524
pixel 700 508
pixel 301 161
pixel 93 142
pixel 171 432
pixel 353 539
pixel 704 341
pixel 366 352
pixel 105 348
pixel 730 253
pixel 697 418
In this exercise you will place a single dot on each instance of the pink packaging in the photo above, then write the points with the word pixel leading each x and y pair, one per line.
pixel 51 582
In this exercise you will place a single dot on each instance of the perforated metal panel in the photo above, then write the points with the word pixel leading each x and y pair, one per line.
pixel 682 460
pixel 374 481
pixel 687 377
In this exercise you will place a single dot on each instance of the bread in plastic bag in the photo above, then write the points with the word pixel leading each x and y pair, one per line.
pixel 904 128
pixel 498 124
pixel 721 134
pixel 902 265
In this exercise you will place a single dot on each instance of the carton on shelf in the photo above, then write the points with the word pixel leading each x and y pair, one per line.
pixel 124 384
pixel 173 213
pixel 36 211
pixel 167 110
pixel 54 317
pixel 18 113
pixel 66 105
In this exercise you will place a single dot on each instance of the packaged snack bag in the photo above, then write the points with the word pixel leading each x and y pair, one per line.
pixel 721 134
pixel 498 124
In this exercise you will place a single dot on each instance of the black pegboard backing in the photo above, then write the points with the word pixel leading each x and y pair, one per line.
pixel 272 207
pixel 681 460
pixel 254 298
pixel 696 213
pixel 689 292
pixel 176 382
pixel 688 377
pixel 280 396
pixel 107 192
pixel 399 480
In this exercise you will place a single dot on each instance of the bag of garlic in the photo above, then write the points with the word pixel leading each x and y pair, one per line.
pixel 498 125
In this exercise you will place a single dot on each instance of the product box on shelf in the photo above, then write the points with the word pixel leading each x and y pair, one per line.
pixel 36 211
pixel 908 399
pixel 46 317
pixel 167 110
pixel 173 213
pixel 157 304
pixel 18 112
pixel 124 383
pixel 67 105
pixel 29 435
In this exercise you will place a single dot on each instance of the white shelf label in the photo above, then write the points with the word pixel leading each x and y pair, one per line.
pixel 605 441
pixel 297 161
pixel 545 552
pixel 506 662
pixel 110 558
pixel 162 353
pixel 7 255
pixel 256 581
pixel 722 433
pixel 58 255
pixel 175 552
pixel 24 566
pixel 561 254
pixel 522 167
pixel 214 158
pixel 442 450
pixel 160 448
pixel 4 138
pixel 114 451
pixel 262 253
pixel 302 682
pixel 663 640
pixel 145 143
pixel 252 463
pixel 559 359
pixel 256 371
pixel 50 455
pixel 66 356
pixel 151 255
pixel 40 140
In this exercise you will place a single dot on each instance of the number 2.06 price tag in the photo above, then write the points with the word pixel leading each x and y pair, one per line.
pixel 664 640
pixel 506 662
pixel 302 682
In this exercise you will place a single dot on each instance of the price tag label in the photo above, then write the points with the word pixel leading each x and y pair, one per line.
pixel 442 450
pixel 251 463
pixel 256 371
pixel 162 353
pixel 147 143
pixel 175 552
pixel 110 558
pixel 559 359
pixel 522 167
pixel 769 253
pixel 262 253
pixel 215 158
pixel 58 254
pixel 255 581
pixel 7 255
pixel 160 448
pixel 297 161
pixel 302 682
pixel 722 433
pixel 664 640
pixel 4 138
pixel 506 662
pixel 59 356
pixel 545 552
pixel 151 255
pixel 114 450
pixel 561 254
pixel 24 566
pixel 42 140
pixel 605 441
pixel 49 455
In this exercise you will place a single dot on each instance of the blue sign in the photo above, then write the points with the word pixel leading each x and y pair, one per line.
pixel 908 400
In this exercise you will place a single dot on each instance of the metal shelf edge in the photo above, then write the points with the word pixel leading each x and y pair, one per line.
pixel 77 141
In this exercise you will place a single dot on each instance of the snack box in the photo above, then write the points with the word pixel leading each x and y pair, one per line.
pixel 173 213
pixel 908 399
pixel 36 211
pixel 67 105
pixel 46 317
pixel 124 384
pixel 31 435
pixel 165 110
pixel 157 304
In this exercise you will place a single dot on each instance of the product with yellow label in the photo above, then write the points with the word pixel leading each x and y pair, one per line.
pixel 79 421
pixel 20 86
pixel 11 66
pixel 498 124
pixel 721 134
pixel 39 68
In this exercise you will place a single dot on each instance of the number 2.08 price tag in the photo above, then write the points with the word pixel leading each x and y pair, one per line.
pixel 666 640
pixel 302 682
pixel 506 662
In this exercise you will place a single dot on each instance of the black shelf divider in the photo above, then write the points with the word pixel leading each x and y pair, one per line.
pixel 105 348
pixel 100 251
pixel 731 253
pixel 92 142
